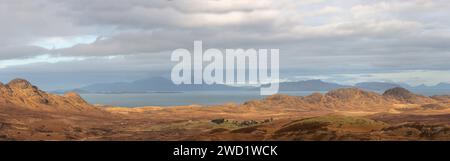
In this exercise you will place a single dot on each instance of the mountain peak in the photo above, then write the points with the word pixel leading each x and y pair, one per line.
pixel 398 92
pixel 309 85
pixel 21 93
pixel 376 86
pixel 348 93
pixel 20 83
pixel 404 95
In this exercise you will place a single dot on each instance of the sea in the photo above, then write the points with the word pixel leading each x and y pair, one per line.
pixel 180 98
pixel 196 97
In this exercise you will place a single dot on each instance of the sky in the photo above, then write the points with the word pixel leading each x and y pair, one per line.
pixel 64 44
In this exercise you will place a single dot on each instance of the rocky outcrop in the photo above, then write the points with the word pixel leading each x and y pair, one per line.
pixel 352 94
pixel 355 98
pixel 21 93
pixel 442 98
pixel 345 99
pixel 404 96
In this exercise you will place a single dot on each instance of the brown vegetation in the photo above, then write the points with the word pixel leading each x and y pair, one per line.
pixel 27 113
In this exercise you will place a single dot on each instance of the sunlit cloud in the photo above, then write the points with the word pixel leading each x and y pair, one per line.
pixel 64 42
pixel 38 59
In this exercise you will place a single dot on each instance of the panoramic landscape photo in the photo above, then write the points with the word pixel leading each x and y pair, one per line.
pixel 224 70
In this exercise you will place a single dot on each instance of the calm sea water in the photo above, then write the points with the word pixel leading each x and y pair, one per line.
pixel 176 99
pixel 196 97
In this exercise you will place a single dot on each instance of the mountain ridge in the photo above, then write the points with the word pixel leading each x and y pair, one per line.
pixel 160 84
pixel 351 99
pixel 154 84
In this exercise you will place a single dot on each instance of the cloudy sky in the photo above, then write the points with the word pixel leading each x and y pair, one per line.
pixel 63 44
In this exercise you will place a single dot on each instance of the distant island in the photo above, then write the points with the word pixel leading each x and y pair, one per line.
pixel 164 85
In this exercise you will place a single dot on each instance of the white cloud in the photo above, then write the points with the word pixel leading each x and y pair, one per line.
pixel 38 59
pixel 64 42
pixel 330 10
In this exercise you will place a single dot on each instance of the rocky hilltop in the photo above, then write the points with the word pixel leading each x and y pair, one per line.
pixel 20 93
pixel 405 96
pixel 349 99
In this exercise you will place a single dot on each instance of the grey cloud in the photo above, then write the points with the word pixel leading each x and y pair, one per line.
pixel 17 52
pixel 362 35
pixel 128 43
pixel 129 63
